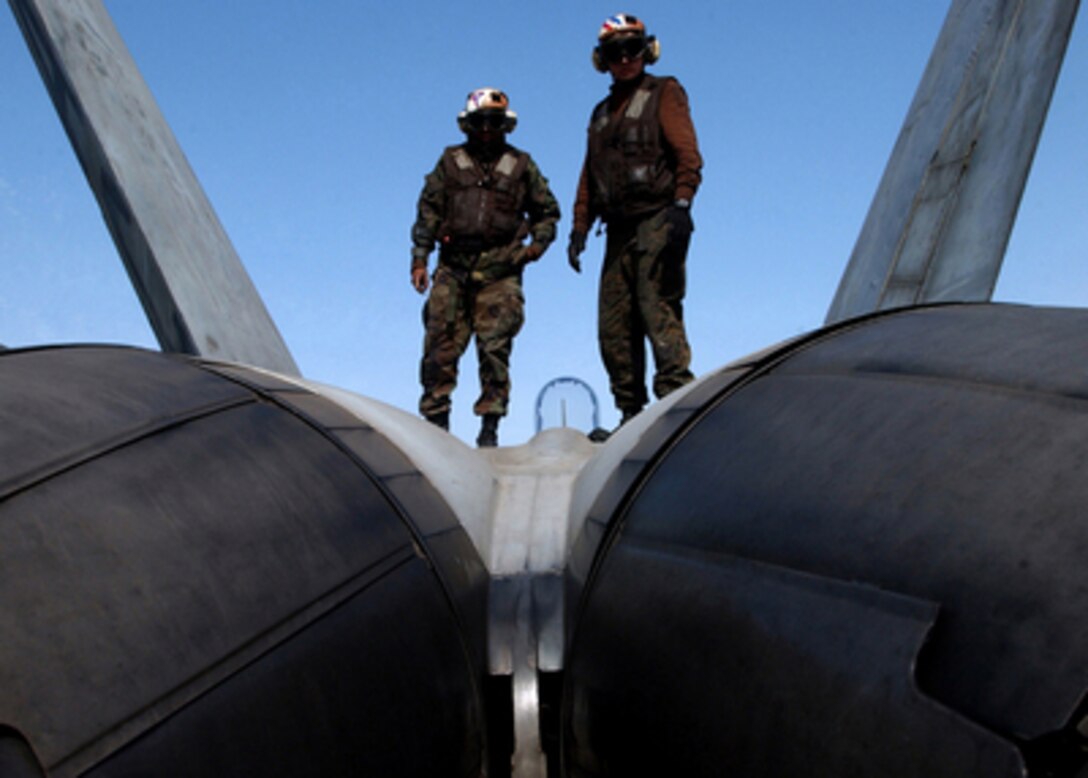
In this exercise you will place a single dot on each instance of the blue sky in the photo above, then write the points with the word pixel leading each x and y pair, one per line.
pixel 311 126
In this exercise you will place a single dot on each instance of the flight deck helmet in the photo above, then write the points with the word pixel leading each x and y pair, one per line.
pixel 624 35
pixel 487 106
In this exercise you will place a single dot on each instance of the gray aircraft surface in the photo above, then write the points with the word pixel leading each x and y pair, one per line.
pixel 857 553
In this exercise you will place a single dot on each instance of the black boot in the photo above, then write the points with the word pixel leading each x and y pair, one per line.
pixel 441 420
pixel 627 414
pixel 599 435
pixel 489 431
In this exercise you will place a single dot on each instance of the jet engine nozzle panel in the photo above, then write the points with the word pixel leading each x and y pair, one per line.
pixel 862 555
pixel 209 571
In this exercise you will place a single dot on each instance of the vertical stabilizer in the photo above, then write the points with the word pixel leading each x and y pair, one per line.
pixel 197 296
pixel 940 221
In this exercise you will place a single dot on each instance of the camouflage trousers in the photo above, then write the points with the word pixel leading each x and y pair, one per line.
pixel 456 310
pixel 641 298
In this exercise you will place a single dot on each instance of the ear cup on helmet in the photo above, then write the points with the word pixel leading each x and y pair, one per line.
pixel 653 50
pixel 598 61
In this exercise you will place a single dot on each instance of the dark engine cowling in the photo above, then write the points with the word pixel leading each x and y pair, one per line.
pixel 865 553
pixel 205 570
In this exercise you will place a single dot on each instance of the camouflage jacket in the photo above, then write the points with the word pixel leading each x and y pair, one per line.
pixel 486 254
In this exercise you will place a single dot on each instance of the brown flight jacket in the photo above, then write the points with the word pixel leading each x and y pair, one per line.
pixel 678 143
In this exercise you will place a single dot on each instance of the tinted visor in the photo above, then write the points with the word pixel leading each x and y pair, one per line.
pixel 623 48
pixel 491 120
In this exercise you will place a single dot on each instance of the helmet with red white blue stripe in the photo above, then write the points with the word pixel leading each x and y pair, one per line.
pixel 621 24
pixel 622 27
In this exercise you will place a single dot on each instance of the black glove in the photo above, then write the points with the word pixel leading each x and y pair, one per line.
pixel 679 220
pixel 575 248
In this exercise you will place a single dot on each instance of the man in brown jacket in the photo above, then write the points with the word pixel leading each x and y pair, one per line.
pixel 641 172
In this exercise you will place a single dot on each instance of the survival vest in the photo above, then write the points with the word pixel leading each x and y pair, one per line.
pixel 631 170
pixel 486 201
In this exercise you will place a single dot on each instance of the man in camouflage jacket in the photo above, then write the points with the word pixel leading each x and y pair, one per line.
pixel 481 202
